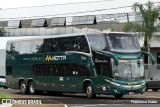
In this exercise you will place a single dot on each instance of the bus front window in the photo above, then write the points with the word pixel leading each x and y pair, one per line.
pixel 123 43
pixel 97 42
pixel 128 69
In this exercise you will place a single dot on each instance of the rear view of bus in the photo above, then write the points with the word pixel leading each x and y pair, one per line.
pixel 118 61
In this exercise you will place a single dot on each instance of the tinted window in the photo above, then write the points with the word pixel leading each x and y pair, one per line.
pixel 14 48
pixel 79 70
pixel 64 69
pixel 123 43
pixel 25 47
pixel 97 42
pixel 78 43
pixel 36 46
pixel 45 70
pixel 60 70
pixel 103 69
pixel 8 49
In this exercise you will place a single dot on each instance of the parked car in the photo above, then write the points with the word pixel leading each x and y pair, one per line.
pixel 153 83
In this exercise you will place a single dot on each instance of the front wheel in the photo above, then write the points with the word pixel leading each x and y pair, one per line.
pixel 90 91
pixel 32 87
pixel 118 96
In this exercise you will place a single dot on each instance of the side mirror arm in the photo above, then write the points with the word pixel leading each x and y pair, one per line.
pixel 151 56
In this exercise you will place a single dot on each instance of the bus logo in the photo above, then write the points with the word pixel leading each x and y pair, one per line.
pixel 57 58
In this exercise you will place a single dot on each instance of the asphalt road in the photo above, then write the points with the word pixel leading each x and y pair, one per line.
pixel 80 100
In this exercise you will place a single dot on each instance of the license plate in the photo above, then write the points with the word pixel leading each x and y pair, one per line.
pixel 131 93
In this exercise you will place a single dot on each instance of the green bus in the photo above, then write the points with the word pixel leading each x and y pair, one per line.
pixel 91 63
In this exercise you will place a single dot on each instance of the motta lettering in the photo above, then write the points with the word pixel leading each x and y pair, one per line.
pixel 51 58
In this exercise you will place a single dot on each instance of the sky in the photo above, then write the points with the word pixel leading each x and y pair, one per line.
pixel 10 9
pixel 27 3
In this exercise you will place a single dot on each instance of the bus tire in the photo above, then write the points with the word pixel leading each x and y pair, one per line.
pixel 118 96
pixel 23 87
pixel 155 89
pixel 32 87
pixel 146 88
pixel 5 87
pixel 90 91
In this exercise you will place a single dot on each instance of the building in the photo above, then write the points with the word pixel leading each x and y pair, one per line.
pixel 52 19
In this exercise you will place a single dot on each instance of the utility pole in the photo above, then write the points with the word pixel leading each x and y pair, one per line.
pixel 127 18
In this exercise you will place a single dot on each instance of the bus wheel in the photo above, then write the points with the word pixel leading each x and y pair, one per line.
pixel 23 87
pixel 32 88
pixel 118 96
pixel 90 91
pixel 155 89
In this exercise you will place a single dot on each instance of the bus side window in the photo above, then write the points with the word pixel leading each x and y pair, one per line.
pixel 64 69
pixel 8 49
pixel 9 70
pixel 103 69
pixel 84 44
pixel 79 70
pixel 25 47
pixel 14 48
pixel 36 46
pixel 83 71
pixel 53 69
pixel 47 45
pixel 73 70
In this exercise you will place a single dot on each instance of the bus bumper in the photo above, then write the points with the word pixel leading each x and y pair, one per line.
pixel 129 90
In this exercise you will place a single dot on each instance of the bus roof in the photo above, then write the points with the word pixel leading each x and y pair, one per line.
pixel 61 35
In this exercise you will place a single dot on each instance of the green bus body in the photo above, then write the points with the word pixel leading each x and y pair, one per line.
pixel 72 71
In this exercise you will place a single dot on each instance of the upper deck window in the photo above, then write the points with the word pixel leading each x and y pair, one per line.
pixel 123 43
pixel 97 42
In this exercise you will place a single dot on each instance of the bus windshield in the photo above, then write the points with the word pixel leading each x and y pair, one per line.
pixel 123 43
pixel 129 69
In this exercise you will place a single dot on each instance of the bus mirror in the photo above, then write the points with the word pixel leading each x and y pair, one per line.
pixel 151 56
pixel 138 63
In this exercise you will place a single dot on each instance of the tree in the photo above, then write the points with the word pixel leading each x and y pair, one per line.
pixel 147 28
pixel 2 32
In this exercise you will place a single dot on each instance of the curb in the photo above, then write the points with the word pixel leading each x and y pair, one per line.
pixel 33 105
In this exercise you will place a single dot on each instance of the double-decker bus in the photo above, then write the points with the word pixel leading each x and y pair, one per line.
pixel 91 63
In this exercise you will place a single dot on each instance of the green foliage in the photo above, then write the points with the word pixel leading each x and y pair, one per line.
pixel 5 96
pixel 113 29
pixel 132 27
pixel 2 32
pixel 150 14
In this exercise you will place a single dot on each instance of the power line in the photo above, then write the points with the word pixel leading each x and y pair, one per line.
pixel 74 13
pixel 60 4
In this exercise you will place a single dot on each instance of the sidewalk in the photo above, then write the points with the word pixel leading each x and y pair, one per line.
pixel 34 105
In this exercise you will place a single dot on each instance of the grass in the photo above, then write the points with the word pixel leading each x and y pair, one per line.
pixel 4 96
